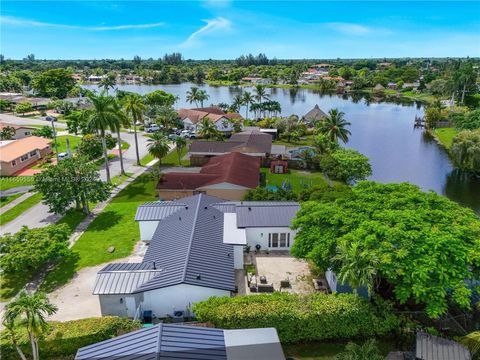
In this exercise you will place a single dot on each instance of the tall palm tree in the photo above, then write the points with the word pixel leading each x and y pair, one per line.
pixel 102 118
pixel 31 311
pixel 357 266
pixel 158 146
pixel 180 144
pixel 107 82
pixel 121 120
pixel 260 94
pixel 202 96
pixel 334 126
pixel 134 106
pixel 237 103
pixel 247 100
pixel 192 95
pixel 207 129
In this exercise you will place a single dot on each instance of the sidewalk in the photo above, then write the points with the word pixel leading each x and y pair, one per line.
pixel 17 201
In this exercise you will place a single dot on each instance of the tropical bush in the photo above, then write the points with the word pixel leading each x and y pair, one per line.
pixel 63 339
pixel 300 317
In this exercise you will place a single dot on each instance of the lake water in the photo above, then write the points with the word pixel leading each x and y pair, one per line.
pixel 382 131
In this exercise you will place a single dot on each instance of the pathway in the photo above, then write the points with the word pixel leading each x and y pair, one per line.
pixel 17 201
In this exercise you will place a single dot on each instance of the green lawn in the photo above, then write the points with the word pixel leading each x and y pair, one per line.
pixel 146 159
pixel 62 143
pixel 18 209
pixel 118 179
pixel 115 226
pixel 172 158
pixel 9 182
pixel 326 351
pixel 298 178
pixel 8 199
pixel 445 136
pixel 304 141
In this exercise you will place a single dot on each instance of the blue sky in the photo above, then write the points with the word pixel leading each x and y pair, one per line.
pixel 226 29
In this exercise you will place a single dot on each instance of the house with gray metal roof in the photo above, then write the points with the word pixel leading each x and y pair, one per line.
pixel 168 341
pixel 194 246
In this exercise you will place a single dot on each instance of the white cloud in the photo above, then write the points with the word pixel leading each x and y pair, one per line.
pixel 212 25
pixel 10 20
pixel 350 28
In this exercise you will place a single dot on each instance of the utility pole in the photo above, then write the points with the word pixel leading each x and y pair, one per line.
pixel 55 138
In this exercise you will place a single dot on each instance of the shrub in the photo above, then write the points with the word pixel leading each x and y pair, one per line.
pixel 64 338
pixel 300 317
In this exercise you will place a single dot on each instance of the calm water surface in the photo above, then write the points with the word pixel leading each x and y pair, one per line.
pixel 382 131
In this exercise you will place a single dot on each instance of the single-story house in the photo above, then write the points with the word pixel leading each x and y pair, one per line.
pixel 256 80
pixel 14 99
pixel 176 341
pixel 195 245
pixel 314 115
pixel 227 176
pixel 21 131
pixel 392 85
pixel 251 142
pixel 16 155
pixel 222 120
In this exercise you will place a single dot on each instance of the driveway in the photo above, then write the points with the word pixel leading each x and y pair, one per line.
pixel 75 300
pixel 12 119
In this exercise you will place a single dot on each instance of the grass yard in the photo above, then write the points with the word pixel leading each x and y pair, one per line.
pixel 298 178
pixel 146 159
pixel 8 199
pixel 326 351
pixel 115 226
pixel 20 208
pixel 62 143
pixel 172 158
pixel 304 141
pixel 118 179
pixel 9 182
pixel 445 136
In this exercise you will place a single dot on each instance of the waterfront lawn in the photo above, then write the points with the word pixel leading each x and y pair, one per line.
pixel 8 199
pixel 9 182
pixel 298 179
pixel 445 136
pixel 20 208
pixel 114 226
pixel 62 143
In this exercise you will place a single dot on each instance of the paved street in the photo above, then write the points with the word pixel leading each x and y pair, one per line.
pixel 12 119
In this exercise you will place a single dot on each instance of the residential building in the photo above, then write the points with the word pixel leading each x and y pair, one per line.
pixel 174 341
pixel 227 176
pixel 16 155
pixel 256 80
pixel 431 347
pixel 194 246
pixel 191 118
pixel 21 131
pixel 251 142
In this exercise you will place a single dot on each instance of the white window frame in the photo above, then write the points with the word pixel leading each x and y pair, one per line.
pixel 279 240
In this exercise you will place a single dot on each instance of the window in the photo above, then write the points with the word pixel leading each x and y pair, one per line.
pixel 24 157
pixel 14 163
pixel 33 153
pixel 27 133
pixel 279 240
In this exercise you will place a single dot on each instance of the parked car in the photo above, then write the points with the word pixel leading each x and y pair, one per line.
pixel 152 128
pixel 63 156
pixel 51 118
pixel 187 134
pixel 173 137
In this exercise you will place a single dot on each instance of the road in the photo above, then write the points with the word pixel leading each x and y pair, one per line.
pixel 38 215
pixel 12 119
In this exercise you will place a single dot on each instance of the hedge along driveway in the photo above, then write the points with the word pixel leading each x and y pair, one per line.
pixel 114 226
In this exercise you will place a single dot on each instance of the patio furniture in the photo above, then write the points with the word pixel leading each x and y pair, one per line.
pixel 253 288
pixel 285 284
pixel 263 279
pixel 265 288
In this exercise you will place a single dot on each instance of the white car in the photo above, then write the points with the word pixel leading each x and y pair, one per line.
pixel 152 128
pixel 63 155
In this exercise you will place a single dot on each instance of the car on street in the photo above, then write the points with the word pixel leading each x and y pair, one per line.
pixel 50 118
pixel 152 128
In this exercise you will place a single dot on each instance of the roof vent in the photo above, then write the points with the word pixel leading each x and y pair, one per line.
pixel 199 277
pixel 154 266
pixel 186 207
pixel 249 208
pixel 214 216
pixel 206 207
pixel 229 255
pixel 180 218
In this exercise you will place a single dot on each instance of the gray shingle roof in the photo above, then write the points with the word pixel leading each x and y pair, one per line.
pixel 162 342
pixel 157 210
pixel 430 347
pixel 188 246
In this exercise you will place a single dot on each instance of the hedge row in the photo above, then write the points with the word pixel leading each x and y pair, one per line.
pixel 63 339
pixel 301 317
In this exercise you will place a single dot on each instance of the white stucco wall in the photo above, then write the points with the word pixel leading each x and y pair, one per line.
pixel 147 228
pixel 165 301
pixel 259 235
pixel 220 124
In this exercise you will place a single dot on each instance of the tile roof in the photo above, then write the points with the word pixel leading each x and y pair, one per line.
pixel 233 168
pixel 213 113
pixel 13 150
pixel 3 125
pixel 163 341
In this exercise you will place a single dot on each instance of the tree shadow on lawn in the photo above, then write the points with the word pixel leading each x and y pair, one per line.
pixel 104 221
pixel 61 274
pixel 141 189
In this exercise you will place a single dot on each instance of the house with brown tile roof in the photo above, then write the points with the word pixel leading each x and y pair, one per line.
pixel 21 131
pixel 227 176
pixel 16 155
pixel 223 121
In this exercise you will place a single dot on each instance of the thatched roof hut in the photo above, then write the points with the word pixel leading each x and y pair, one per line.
pixel 315 114
pixel 378 87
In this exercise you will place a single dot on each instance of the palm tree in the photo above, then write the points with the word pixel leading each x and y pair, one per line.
pixel 334 126
pixel 122 120
pixel 236 104
pixel 134 106
pixel 260 94
pixel 158 146
pixel 30 310
pixel 202 96
pixel 247 100
pixel 192 95
pixel 102 118
pixel 207 129
pixel 107 82
pixel 358 267
pixel 180 144
pixel 472 342
pixel 368 351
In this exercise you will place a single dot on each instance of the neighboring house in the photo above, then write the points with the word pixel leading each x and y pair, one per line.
pixel 337 287
pixel 256 80
pixel 251 142
pixel 392 85
pixel 16 155
pixel 173 341
pixel 227 176
pixel 20 130
pixel 194 246
pixel 430 347
pixel 314 115
pixel 14 99
pixel 223 121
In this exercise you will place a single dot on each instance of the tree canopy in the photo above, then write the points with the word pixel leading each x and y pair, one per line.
pixel 422 245
pixel 465 150
pixel 346 165
pixel 53 83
